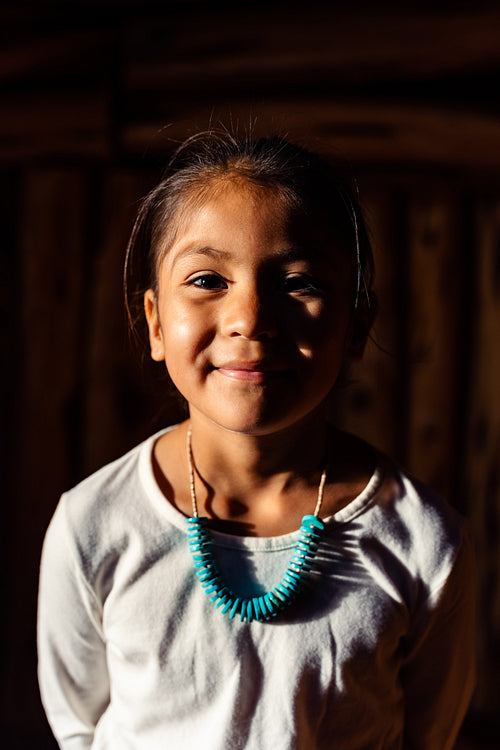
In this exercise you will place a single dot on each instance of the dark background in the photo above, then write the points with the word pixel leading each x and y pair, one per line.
pixel 93 98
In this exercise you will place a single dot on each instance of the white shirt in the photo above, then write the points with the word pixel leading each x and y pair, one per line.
pixel 376 653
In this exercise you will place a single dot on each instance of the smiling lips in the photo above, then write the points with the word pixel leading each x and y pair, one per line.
pixel 250 372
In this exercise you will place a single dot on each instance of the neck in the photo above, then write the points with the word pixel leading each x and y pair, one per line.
pixel 301 446
pixel 238 459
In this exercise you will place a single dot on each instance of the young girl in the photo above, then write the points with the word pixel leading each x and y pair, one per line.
pixel 254 578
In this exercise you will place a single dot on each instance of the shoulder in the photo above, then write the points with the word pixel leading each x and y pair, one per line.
pixel 421 529
pixel 110 485
pixel 96 518
pixel 418 509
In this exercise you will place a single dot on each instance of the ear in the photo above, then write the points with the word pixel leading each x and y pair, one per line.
pixel 361 324
pixel 154 327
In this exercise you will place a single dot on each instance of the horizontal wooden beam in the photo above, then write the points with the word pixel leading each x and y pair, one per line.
pixel 364 131
pixel 47 54
pixel 56 124
pixel 368 45
pixel 174 46
pixel 363 80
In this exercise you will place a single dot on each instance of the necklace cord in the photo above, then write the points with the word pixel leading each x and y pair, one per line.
pixel 191 473
pixel 192 489
pixel 262 607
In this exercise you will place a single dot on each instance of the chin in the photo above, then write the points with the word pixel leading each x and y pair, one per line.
pixel 262 425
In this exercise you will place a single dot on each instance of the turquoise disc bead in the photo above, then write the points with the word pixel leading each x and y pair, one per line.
pixel 259 608
pixel 234 608
pixel 310 520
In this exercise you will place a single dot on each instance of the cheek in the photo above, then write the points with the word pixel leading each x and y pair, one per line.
pixel 323 327
pixel 185 335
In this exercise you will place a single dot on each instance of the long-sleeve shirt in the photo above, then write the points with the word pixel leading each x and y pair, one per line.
pixel 376 652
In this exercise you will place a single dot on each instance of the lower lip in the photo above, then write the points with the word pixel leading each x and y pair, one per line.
pixel 248 376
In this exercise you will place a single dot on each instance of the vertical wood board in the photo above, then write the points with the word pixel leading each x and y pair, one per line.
pixel 368 405
pixel 122 396
pixel 51 245
pixel 434 301
pixel 482 460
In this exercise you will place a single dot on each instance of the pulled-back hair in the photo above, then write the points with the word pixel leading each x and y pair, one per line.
pixel 203 165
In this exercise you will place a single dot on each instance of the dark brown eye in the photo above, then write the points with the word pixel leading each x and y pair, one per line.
pixel 208 281
pixel 299 283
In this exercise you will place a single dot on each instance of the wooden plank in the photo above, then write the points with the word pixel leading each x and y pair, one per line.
pixel 123 398
pixel 53 243
pixel 362 46
pixel 52 231
pixel 435 304
pixel 54 52
pixel 56 123
pixel 368 406
pixel 482 457
pixel 363 131
pixel 10 397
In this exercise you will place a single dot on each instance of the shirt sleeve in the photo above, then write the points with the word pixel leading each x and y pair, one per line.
pixel 439 672
pixel 73 676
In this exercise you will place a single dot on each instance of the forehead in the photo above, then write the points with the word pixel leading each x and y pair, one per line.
pixel 227 197
pixel 236 208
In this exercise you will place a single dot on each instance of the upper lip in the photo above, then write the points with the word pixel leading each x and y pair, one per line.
pixel 253 365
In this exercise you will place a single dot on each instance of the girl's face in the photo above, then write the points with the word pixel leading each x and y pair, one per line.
pixel 254 311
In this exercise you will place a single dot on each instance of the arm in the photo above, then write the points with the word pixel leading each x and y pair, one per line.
pixel 439 671
pixel 72 670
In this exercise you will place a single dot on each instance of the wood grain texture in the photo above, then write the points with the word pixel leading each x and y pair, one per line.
pixel 123 397
pixel 363 131
pixel 66 124
pixel 52 230
pixel 369 404
pixel 482 467
pixel 434 305
pixel 371 43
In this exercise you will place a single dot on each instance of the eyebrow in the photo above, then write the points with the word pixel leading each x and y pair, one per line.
pixel 205 250
pixel 294 252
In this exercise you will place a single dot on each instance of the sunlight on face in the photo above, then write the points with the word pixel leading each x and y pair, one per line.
pixel 253 312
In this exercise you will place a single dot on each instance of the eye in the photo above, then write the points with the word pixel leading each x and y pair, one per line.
pixel 209 281
pixel 299 283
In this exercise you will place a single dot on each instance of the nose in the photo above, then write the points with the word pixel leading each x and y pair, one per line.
pixel 250 313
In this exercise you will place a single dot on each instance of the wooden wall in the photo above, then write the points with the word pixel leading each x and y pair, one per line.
pixel 91 104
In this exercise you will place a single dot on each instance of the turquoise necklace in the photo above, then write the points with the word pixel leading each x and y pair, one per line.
pixel 260 608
